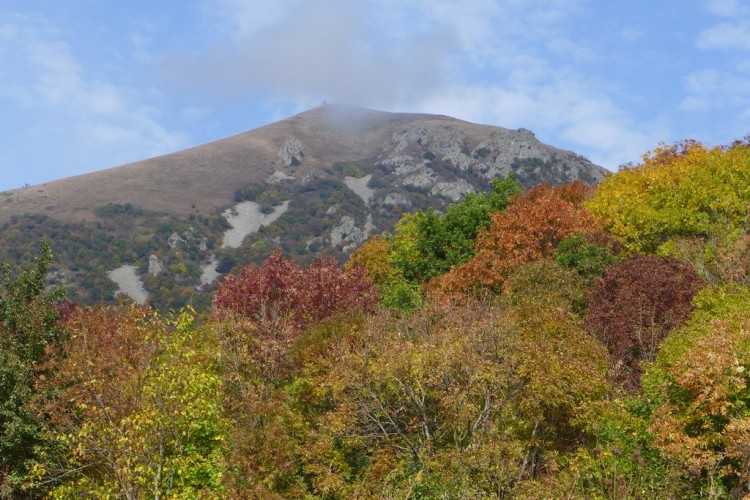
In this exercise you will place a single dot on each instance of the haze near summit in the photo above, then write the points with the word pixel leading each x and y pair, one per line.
pixel 87 87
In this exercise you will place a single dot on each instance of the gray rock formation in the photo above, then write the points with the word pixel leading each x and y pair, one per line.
pixel 174 240
pixel 396 200
pixel 453 191
pixel 155 265
pixel 291 152
pixel 359 186
pixel 347 234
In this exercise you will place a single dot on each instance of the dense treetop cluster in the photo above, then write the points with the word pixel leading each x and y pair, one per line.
pixel 569 341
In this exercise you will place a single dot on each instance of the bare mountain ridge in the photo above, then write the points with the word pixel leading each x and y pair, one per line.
pixel 206 177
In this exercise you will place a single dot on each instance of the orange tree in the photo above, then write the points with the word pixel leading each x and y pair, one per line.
pixel 699 387
pixel 529 229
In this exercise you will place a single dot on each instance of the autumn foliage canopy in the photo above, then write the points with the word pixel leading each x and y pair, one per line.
pixel 279 294
pixel 529 229
pixel 567 341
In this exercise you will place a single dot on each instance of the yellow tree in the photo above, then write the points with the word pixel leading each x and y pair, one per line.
pixel 682 190
pixel 134 410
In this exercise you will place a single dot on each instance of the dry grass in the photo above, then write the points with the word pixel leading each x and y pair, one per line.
pixel 204 178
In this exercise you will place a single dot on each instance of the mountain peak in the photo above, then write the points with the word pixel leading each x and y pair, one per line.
pixel 317 183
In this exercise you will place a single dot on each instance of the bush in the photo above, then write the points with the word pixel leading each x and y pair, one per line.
pixel 633 308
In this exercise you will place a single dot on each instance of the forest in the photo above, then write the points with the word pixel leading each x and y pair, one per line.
pixel 557 342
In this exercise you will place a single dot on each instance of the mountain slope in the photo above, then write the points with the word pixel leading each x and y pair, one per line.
pixel 317 183
pixel 208 175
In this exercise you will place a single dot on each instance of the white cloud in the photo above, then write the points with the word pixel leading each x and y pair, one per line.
pixel 727 8
pixel 507 62
pixel 323 50
pixel 734 35
pixel 566 110
pixel 711 89
pixel 45 79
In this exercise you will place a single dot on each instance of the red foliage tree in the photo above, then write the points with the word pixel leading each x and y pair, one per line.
pixel 633 308
pixel 280 299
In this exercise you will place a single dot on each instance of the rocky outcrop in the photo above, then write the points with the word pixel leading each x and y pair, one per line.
pixel 446 142
pixel 247 218
pixel 348 235
pixel 174 240
pixel 155 265
pixel 437 160
pixel 453 191
pixel 209 274
pixel 359 186
pixel 278 177
pixel 291 152
pixel 396 200
pixel 129 283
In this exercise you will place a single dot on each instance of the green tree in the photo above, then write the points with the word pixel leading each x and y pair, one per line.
pixel 428 244
pixel 29 326
pixel 587 258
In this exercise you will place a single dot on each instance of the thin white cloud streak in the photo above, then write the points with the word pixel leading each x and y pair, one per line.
pixel 240 19
pixel 726 8
pixel 735 35
pixel 100 119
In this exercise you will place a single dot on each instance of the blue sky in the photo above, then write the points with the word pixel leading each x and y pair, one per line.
pixel 91 84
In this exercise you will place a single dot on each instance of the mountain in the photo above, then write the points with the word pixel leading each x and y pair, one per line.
pixel 319 182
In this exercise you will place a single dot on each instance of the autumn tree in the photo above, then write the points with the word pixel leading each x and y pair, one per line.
pixel 427 244
pixel 281 299
pixel 376 257
pixel 699 384
pixel 132 409
pixel 529 229
pixel 261 318
pixel 545 284
pixel 633 308
pixel 29 326
pixel 686 189
pixel 720 258
pixel 466 401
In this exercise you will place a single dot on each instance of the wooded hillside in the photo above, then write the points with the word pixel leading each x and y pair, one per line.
pixel 569 341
